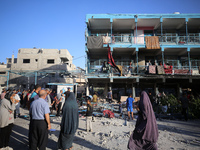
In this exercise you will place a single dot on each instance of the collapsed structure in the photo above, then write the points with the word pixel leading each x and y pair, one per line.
pixel 158 52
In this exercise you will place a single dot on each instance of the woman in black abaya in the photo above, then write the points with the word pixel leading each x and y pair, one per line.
pixel 145 135
pixel 69 123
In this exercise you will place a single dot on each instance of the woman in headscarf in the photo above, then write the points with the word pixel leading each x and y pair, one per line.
pixel 145 134
pixel 69 123
pixel 7 107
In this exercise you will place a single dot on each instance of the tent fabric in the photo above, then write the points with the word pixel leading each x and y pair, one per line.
pixel 109 113
pixel 182 71
pixel 111 61
pixel 94 42
pixel 152 69
pixel 160 70
pixel 152 42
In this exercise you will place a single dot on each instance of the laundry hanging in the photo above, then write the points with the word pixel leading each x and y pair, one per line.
pixel 152 42
pixel 111 60
pixel 94 42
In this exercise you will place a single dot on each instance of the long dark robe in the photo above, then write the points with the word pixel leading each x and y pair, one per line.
pixel 69 123
pixel 145 134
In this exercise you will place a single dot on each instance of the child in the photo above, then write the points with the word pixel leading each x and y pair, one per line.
pixel 129 105
pixel 89 116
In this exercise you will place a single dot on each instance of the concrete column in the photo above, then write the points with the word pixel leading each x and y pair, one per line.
pixel 92 89
pixel 186 28
pixel 155 88
pixel 76 90
pixel 163 56
pixel 105 90
pixel 161 28
pixel 35 78
pixel 179 91
pixel 189 63
pixel 12 60
pixel 87 89
pixel 137 60
pixel 28 83
pixel 133 91
pixel 8 78
pixel 136 28
pixel 110 87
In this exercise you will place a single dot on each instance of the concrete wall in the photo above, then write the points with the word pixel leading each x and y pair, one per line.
pixel 38 59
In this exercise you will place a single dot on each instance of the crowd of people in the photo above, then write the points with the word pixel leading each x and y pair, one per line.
pixel 42 102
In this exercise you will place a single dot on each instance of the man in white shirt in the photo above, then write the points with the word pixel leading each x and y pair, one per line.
pixel 17 104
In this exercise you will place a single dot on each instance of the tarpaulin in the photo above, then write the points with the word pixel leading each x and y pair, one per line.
pixel 181 71
pixel 94 42
pixel 109 113
pixel 160 70
pixel 152 69
pixel 152 42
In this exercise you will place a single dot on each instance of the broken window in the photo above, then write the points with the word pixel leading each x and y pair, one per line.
pixel 26 61
pixel 50 61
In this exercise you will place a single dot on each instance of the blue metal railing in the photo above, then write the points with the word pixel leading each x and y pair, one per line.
pixel 165 39
pixel 142 70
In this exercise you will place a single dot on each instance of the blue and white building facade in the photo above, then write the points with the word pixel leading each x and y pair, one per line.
pixel 179 40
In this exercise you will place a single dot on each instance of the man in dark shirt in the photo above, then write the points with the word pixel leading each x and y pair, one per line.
pixel 89 116
pixel 184 102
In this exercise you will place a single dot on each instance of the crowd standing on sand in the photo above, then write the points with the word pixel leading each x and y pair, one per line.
pixel 42 102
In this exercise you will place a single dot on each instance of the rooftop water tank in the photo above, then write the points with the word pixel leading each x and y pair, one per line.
pixel 176 13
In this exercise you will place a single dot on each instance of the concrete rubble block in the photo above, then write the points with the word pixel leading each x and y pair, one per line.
pixel 84 133
pixel 79 132
pixel 111 134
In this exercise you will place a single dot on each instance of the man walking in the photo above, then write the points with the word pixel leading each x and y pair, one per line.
pixel 39 112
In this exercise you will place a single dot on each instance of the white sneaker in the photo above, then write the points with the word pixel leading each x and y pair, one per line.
pixel 8 148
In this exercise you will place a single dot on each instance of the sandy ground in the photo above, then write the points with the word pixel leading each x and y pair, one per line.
pixel 113 134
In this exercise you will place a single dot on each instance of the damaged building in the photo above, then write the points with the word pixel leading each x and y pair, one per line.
pixel 130 52
pixel 37 66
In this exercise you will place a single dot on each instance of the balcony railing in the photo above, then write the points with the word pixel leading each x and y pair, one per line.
pixel 165 39
pixel 143 70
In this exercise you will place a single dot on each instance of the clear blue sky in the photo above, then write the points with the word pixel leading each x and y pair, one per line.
pixel 60 24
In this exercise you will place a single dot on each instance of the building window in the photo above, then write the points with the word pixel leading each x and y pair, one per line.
pixel 36 60
pixel 15 60
pixel 2 72
pixel 50 61
pixel 8 65
pixel 26 61
pixel 9 60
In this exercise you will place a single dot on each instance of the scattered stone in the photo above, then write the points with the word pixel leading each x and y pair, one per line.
pixel 111 134
pixel 85 133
